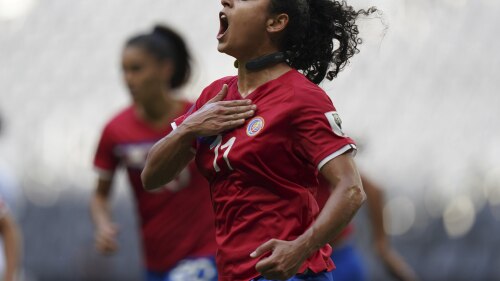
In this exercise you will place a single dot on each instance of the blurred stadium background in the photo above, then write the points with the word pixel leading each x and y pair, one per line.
pixel 421 99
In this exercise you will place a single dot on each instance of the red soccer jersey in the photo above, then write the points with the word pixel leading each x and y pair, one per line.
pixel 176 222
pixel 263 174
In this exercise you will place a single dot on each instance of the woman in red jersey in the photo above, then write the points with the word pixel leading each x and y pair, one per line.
pixel 261 138
pixel 175 248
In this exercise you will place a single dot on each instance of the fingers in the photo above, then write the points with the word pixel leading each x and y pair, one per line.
pixel 238 109
pixel 238 116
pixel 264 264
pixel 220 115
pixel 273 270
pixel 106 239
pixel 264 248
pixel 220 96
pixel 106 245
pixel 231 117
pixel 283 261
pixel 230 103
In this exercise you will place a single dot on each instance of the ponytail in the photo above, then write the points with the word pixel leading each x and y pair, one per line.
pixel 180 55
pixel 315 27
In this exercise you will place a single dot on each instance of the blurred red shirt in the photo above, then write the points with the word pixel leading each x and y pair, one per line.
pixel 177 221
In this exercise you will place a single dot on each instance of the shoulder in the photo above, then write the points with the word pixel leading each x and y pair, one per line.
pixel 123 117
pixel 304 93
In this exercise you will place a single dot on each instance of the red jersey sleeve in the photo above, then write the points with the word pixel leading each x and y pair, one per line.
pixel 318 128
pixel 105 161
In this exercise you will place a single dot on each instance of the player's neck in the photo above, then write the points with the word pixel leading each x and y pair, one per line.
pixel 249 80
pixel 157 111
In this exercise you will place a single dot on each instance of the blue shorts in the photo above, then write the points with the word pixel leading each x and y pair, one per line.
pixel 193 269
pixel 349 264
pixel 322 276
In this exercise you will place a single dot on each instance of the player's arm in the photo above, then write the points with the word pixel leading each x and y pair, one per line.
pixel 170 155
pixel 391 259
pixel 12 246
pixel 344 201
pixel 105 230
pixel 346 198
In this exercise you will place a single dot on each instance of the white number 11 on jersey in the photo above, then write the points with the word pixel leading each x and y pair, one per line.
pixel 227 147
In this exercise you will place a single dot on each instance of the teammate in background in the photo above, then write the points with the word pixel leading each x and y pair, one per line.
pixel 10 235
pixel 176 221
pixel 9 232
pixel 345 255
pixel 262 136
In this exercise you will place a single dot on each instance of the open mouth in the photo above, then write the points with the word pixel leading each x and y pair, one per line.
pixel 224 25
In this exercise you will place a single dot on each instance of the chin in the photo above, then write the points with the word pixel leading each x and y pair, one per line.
pixel 225 49
pixel 220 48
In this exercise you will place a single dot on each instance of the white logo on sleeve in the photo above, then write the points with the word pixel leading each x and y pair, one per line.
pixel 335 122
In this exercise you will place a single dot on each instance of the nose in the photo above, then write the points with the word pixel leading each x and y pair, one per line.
pixel 226 3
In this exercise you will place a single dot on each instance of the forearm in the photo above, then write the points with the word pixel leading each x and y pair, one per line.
pixel 99 207
pixel 12 247
pixel 375 212
pixel 168 157
pixel 390 258
pixel 338 211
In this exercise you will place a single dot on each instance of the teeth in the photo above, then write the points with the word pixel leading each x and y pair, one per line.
pixel 223 17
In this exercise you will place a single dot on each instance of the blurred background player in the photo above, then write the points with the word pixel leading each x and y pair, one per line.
pixel 9 232
pixel 348 261
pixel 177 221
pixel 11 240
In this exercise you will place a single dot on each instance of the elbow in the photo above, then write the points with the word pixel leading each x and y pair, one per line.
pixel 357 195
pixel 363 195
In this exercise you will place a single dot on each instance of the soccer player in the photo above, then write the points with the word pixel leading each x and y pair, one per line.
pixel 346 257
pixel 261 138
pixel 176 222
pixel 9 233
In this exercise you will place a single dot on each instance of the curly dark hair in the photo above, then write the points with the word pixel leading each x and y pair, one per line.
pixel 164 43
pixel 313 27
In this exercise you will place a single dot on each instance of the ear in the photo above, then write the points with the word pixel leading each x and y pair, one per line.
pixel 277 23
pixel 167 69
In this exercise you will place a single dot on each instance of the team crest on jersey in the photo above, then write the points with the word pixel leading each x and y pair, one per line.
pixel 335 122
pixel 255 126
